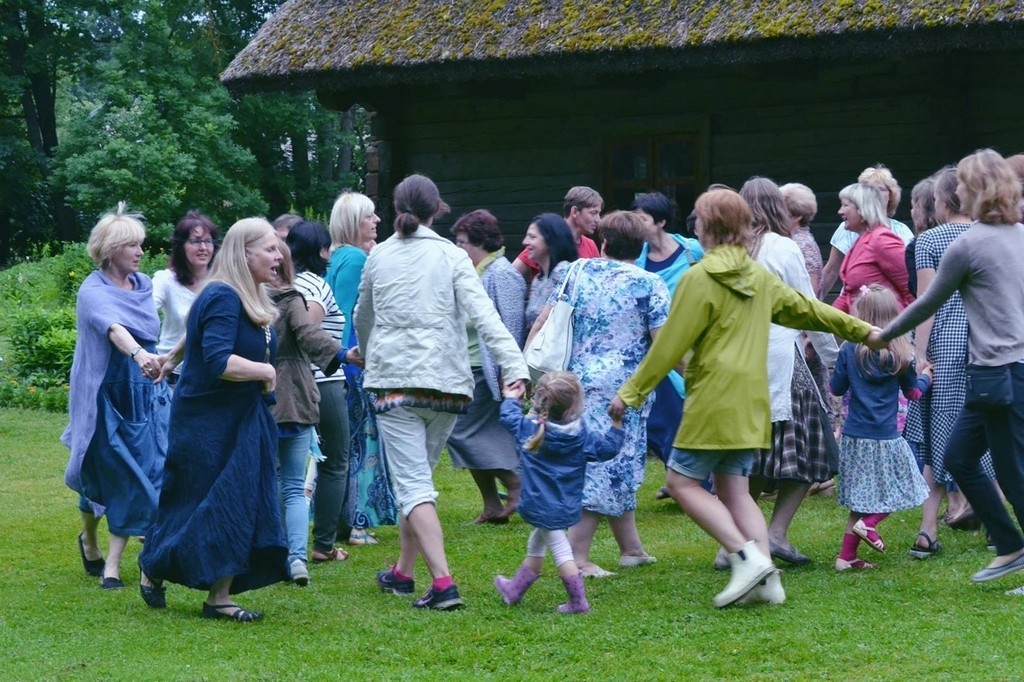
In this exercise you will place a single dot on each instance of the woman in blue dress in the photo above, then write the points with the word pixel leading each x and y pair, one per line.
pixel 218 525
pixel 117 431
pixel 618 311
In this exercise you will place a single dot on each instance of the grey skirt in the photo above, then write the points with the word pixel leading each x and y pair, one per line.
pixel 479 441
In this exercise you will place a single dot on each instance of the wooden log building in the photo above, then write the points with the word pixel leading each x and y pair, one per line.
pixel 507 103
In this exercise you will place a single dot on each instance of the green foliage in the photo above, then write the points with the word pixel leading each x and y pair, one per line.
pixel 147 129
pixel 37 323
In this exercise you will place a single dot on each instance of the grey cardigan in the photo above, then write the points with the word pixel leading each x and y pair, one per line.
pixel 507 289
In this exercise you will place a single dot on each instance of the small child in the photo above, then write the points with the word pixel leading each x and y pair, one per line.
pixel 877 471
pixel 555 447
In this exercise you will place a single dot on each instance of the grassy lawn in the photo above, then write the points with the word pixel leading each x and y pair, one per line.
pixel 907 620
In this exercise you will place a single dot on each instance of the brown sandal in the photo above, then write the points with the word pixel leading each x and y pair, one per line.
pixel 335 554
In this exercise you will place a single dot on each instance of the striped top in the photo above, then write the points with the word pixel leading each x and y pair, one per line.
pixel 316 291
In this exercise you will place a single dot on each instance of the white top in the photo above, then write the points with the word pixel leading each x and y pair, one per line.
pixel 844 239
pixel 317 292
pixel 782 257
pixel 173 300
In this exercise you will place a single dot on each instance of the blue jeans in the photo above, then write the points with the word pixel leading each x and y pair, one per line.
pixel 1002 431
pixel 292 454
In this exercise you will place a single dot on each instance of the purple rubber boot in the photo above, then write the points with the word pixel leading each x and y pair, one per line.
pixel 512 589
pixel 577 596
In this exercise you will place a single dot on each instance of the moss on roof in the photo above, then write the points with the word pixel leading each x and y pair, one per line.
pixel 353 42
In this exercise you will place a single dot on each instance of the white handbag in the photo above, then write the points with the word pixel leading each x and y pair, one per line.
pixel 552 346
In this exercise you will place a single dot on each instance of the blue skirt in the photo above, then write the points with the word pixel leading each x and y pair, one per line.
pixel 124 463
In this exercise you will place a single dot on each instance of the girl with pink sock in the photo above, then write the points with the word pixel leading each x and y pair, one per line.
pixel 877 471
pixel 555 447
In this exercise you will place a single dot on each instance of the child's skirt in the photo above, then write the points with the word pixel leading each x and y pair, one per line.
pixel 879 476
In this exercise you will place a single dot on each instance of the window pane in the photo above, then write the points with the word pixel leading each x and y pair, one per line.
pixel 675 159
pixel 629 162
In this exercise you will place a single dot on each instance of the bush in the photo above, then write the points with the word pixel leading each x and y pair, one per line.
pixel 37 323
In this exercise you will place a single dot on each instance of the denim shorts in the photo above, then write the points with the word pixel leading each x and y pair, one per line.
pixel 697 464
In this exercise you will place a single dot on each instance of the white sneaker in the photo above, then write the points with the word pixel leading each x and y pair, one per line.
pixel 749 567
pixel 768 591
pixel 299 573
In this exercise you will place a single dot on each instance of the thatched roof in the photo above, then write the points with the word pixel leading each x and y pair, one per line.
pixel 346 44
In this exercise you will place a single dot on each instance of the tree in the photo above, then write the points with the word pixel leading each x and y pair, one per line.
pixel 146 126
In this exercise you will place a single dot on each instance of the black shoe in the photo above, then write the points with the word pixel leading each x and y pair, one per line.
pixel 112 583
pixel 154 594
pixel 93 567
pixel 445 600
pixel 239 615
pixel 387 582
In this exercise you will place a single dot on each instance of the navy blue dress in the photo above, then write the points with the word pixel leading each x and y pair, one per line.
pixel 219 511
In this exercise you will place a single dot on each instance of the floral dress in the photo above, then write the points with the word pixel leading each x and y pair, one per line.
pixel 616 306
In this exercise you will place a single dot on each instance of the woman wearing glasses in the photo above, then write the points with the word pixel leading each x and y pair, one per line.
pixel 193 244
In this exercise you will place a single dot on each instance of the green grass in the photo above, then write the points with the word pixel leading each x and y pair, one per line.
pixel 907 620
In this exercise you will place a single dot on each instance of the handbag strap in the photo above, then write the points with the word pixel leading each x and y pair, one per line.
pixel 573 271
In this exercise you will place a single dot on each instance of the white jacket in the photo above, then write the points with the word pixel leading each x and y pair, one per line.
pixel 781 256
pixel 415 296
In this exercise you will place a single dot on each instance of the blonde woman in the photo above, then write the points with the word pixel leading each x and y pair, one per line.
pixel 218 526
pixel 112 391
pixel 369 500
pixel 844 238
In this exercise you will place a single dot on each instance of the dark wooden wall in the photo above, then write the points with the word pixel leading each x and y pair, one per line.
pixel 515 147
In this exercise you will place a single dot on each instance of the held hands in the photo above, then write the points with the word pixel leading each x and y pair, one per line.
pixel 874 339
pixel 616 411
pixel 354 357
pixel 517 389
pixel 151 364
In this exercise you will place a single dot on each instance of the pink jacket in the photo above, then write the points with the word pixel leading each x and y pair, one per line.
pixel 877 257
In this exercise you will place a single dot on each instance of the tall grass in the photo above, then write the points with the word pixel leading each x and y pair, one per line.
pixel 907 620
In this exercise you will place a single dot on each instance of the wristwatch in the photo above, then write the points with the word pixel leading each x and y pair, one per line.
pixel 135 352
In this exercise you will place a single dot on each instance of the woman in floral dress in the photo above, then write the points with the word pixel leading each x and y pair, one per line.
pixel 618 311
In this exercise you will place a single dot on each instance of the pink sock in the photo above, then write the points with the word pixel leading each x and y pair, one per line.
pixel 399 576
pixel 872 520
pixel 442 583
pixel 849 550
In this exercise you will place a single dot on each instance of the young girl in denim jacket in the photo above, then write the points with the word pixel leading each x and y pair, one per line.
pixel 555 447
pixel 877 471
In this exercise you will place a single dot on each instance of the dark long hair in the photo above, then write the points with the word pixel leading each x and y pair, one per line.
pixel 178 261
pixel 307 240
pixel 558 237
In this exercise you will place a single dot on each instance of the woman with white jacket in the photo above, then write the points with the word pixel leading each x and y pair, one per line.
pixel 416 294
pixel 801 433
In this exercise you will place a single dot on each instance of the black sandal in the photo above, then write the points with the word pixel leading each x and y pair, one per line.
pixel 919 552
pixel 240 615
pixel 93 567
pixel 154 594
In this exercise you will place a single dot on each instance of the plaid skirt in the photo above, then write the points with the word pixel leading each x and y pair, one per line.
pixel 803 448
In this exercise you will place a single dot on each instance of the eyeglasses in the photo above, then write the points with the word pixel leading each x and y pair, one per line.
pixel 461 242
pixel 200 242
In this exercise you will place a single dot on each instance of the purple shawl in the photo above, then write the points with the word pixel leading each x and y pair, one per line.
pixel 101 304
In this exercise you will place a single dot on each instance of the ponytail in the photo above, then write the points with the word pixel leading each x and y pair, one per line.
pixel 406 223
pixel 417 202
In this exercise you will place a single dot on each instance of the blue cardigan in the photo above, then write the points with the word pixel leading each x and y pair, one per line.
pixel 552 493
pixel 874 395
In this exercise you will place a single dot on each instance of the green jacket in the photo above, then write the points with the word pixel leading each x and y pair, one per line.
pixel 722 309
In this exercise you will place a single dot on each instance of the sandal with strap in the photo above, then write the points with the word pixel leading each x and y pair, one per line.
pixel 869 535
pixel 334 554
pixel 239 615
pixel 361 536
pixel 931 549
